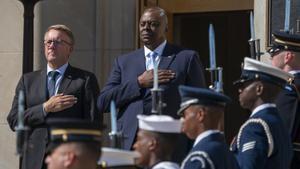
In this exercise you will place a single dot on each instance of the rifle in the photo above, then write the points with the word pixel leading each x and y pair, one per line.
pixel 21 131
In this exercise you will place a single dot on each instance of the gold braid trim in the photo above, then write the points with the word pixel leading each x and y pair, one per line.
pixel 75 131
pixel 287 42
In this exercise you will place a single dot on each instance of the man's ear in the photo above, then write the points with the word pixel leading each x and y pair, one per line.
pixel 288 57
pixel 259 88
pixel 71 49
pixel 152 144
pixel 200 113
pixel 69 159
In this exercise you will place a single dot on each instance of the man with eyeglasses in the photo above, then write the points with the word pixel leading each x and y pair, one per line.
pixel 285 54
pixel 131 77
pixel 59 90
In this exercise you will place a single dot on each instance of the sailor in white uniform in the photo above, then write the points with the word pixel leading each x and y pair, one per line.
pixel 156 140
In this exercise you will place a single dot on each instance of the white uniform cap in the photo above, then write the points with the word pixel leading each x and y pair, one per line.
pixel 112 157
pixel 254 65
pixel 254 69
pixel 159 123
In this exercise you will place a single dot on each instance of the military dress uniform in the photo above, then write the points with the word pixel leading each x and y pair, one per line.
pixel 296 125
pixel 288 101
pixel 263 141
pixel 210 150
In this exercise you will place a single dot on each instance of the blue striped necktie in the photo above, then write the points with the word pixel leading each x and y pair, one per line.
pixel 53 77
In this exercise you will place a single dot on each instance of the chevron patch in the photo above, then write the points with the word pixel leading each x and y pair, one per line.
pixel 248 146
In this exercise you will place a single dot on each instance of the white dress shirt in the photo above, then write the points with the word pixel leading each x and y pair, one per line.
pixel 61 70
pixel 159 50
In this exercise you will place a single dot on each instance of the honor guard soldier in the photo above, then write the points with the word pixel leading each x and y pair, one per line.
pixel 263 141
pixel 201 110
pixel 113 158
pixel 156 140
pixel 74 144
pixel 285 54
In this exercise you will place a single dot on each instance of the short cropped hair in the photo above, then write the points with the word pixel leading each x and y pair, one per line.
pixel 63 28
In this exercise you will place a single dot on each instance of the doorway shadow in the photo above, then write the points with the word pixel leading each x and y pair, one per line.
pixel 232 33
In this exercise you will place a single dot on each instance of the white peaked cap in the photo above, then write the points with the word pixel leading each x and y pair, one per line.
pixel 159 123
pixel 254 65
pixel 112 157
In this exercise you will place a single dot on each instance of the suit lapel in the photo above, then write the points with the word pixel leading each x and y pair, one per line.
pixel 167 57
pixel 140 62
pixel 66 80
pixel 42 85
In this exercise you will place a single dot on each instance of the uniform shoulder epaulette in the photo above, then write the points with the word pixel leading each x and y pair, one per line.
pixel 200 156
pixel 266 129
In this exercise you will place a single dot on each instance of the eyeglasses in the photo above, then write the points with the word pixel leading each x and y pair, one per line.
pixel 56 42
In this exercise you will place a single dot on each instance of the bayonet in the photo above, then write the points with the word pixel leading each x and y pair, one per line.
pixel 287 16
pixel 113 118
pixel 252 31
pixel 215 72
pixel 254 43
pixel 116 138
pixel 157 103
pixel 212 52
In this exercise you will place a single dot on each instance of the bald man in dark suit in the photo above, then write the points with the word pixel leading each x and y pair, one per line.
pixel 131 78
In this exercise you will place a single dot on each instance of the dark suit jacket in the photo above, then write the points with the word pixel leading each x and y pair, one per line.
pixel 263 142
pixel 288 104
pixel 210 153
pixel 77 82
pixel 122 86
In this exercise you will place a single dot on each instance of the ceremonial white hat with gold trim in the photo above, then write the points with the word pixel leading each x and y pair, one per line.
pixel 256 70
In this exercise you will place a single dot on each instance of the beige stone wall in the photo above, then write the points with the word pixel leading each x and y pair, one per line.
pixel 103 30
pixel 261 26
pixel 11 13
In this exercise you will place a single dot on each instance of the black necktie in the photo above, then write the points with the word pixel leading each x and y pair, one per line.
pixel 51 88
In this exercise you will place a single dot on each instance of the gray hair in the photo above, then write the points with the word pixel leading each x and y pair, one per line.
pixel 162 12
